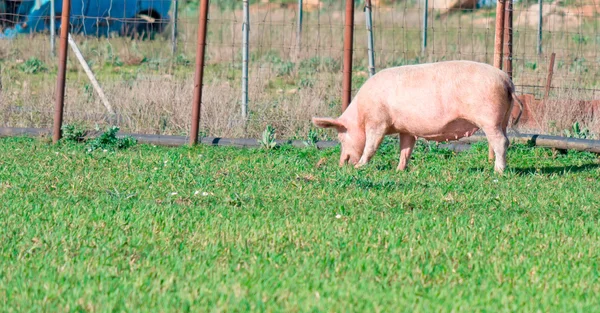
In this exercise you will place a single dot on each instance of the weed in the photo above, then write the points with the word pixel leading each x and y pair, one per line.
pixel 577 131
pixel 532 65
pixel 109 141
pixel 319 64
pixel 182 60
pixel 73 132
pixel 268 138
pixel 306 82
pixel 581 39
pixel 312 137
pixel 284 68
pixel 579 66
pixel 33 65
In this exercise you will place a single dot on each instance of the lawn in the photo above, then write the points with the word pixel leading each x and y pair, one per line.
pixel 209 229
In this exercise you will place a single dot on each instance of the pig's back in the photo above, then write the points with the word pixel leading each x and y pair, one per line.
pixel 425 98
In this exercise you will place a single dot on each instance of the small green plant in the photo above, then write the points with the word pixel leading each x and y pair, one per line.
pixel 284 68
pixel 110 58
pixel 33 66
pixel 577 131
pixel 581 39
pixel 73 133
pixel 317 64
pixel 579 65
pixel 182 60
pixel 268 138
pixel 531 65
pixel 109 141
pixel 312 138
pixel 306 82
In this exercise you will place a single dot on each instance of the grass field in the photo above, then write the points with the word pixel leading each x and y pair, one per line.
pixel 209 229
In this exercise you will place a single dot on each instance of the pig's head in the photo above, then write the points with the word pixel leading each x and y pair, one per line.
pixel 350 136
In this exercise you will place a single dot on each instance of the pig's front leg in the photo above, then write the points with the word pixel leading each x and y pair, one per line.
pixel 374 138
pixel 407 144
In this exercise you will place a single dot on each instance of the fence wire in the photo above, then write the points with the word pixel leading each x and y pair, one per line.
pixel 291 78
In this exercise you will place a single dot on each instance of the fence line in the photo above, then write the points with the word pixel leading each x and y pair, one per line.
pixel 291 61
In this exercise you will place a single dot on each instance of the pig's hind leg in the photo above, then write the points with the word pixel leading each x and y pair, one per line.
pixel 407 144
pixel 498 141
pixel 373 140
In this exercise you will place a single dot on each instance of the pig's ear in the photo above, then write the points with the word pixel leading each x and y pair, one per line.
pixel 326 122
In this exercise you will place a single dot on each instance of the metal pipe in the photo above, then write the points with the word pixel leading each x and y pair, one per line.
pixel 175 5
pixel 299 30
pixel 424 39
pixel 52 28
pixel 348 46
pixel 545 141
pixel 370 44
pixel 540 23
pixel 62 67
pixel 550 73
pixel 499 34
pixel 199 73
pixel 245 43
pixel 508 38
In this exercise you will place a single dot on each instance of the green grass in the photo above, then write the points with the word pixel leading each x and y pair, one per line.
pixel 222 229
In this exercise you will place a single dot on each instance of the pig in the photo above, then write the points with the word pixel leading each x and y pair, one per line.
pixel 440 101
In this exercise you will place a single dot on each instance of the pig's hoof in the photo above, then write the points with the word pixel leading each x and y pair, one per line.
pixel 360 164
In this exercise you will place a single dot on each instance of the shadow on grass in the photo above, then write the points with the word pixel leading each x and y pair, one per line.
pixel 523 171
pixel 556 169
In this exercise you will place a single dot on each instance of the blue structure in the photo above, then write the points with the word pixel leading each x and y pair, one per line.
pixel 89 17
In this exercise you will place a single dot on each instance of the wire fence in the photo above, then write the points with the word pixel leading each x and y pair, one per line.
pixel 294 58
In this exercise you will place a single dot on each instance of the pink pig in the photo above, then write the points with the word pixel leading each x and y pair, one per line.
pixel 435 101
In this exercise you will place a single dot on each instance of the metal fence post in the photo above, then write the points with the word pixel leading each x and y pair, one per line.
pixel 174 29
pixel 371 46
pixel 499 34
pixel 348 46
pixel 540 23
pixel 62 67
pixel 245 40
pixel 508 37
pixel 299 30
pixel 52 28
pixel 199 73
pixel 424 43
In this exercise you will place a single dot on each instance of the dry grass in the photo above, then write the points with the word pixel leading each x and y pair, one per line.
pixel 152 90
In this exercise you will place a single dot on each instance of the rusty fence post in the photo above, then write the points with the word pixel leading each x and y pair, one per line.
pixel 348 46
pixel 508 38
pixel 199 73
pixel 550 73
pixel 499 34
pixel 62 70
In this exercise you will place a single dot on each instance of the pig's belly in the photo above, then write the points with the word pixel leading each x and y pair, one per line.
pixel 451 131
